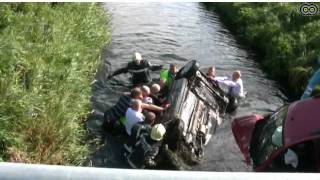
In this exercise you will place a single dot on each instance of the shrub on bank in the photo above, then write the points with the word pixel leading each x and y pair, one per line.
pixel 287 40
pixel 48 54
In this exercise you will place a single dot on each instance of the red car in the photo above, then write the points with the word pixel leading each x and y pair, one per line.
pixel 285 141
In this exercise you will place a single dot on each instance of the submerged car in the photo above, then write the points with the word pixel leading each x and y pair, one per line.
pixel 196 106
pixel 195 112
pixel 285 141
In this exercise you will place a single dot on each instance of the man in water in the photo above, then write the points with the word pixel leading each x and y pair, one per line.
pixel 235 89
pixel 211 75
pixel 117 112
pixel 167 77
pixel 235 85
pixel 134 115
pixel 139 69
pixel 145 151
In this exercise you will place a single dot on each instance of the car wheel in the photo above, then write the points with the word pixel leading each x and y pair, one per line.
pixel 188 70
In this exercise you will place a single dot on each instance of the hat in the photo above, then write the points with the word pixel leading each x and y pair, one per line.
pixel 157 132
pixel 136 57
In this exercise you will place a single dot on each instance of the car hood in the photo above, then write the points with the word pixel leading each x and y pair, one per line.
pixel 242 129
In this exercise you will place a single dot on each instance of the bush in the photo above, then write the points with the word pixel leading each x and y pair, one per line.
pixel 49 52
pixel 287 41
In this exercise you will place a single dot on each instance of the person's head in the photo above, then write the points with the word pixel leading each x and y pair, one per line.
pixel 136 58
pixel 157 132
pixel 145 91
pixel 236 75
pixel 211 71
pixel 136 93
pixel 150 118
pixel 136 105
pixel 155 88
pixel 173 68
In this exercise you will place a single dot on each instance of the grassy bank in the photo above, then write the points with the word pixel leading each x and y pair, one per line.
pixel 48 54
pixel 288 42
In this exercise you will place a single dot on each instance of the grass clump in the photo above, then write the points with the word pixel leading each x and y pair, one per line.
pixel 287 41
pixel 48 54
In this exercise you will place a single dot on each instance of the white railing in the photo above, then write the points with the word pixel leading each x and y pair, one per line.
pixel 19 171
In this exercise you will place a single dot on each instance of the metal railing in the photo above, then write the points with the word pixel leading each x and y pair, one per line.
pixel 19 171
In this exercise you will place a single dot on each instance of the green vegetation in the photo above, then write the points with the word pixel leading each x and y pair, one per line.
pixel 288 42
pixel 49 53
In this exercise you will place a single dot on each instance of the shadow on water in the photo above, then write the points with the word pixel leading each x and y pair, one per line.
pixel 177 32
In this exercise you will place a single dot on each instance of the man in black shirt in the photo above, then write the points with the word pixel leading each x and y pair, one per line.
pixel 139 69
pixel 145 151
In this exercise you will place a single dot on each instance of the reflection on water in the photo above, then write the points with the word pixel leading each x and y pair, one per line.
pixel 178 32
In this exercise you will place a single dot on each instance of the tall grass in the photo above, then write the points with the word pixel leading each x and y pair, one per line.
pixel 48 54
pixel 287 41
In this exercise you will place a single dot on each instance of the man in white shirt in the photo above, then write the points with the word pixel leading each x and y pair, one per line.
pixel 235 89
pixel 235 84
pixel 134 115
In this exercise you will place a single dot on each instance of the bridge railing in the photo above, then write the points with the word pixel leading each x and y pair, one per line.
pixel 19 171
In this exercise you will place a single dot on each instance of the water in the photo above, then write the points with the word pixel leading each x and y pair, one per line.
pixel 177 32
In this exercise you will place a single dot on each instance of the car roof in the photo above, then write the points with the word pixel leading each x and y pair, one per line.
pixel 303 121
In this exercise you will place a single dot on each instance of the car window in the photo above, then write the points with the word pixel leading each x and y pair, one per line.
pixel 296 158
pixel 268 136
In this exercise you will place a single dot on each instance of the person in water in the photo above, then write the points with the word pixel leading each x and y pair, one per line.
pixel 134 115
pixel 154 94
pixel 140 128
pixel 144 152
pixel 139 69
pixel 146 95
pixel 211 75
pixel 234 84
pixel 235 89
pixel 117 112
pixel 167 77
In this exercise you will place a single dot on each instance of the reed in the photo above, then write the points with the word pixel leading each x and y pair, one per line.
pixel 49 53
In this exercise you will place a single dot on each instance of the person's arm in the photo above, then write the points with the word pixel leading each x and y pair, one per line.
pixel 155 67
pixel 152 67
pixel 220 78
pixel 152 107
pixel 119 71
pixel 228 83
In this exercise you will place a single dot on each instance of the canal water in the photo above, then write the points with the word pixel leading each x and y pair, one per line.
pixel 178 32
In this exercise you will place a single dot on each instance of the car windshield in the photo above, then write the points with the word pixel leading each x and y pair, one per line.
pixel 268 136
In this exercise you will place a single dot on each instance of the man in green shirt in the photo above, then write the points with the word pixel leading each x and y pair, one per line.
pixel 167 78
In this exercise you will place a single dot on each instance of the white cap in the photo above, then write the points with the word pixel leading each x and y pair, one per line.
pixel 136 57
pixel 157 132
